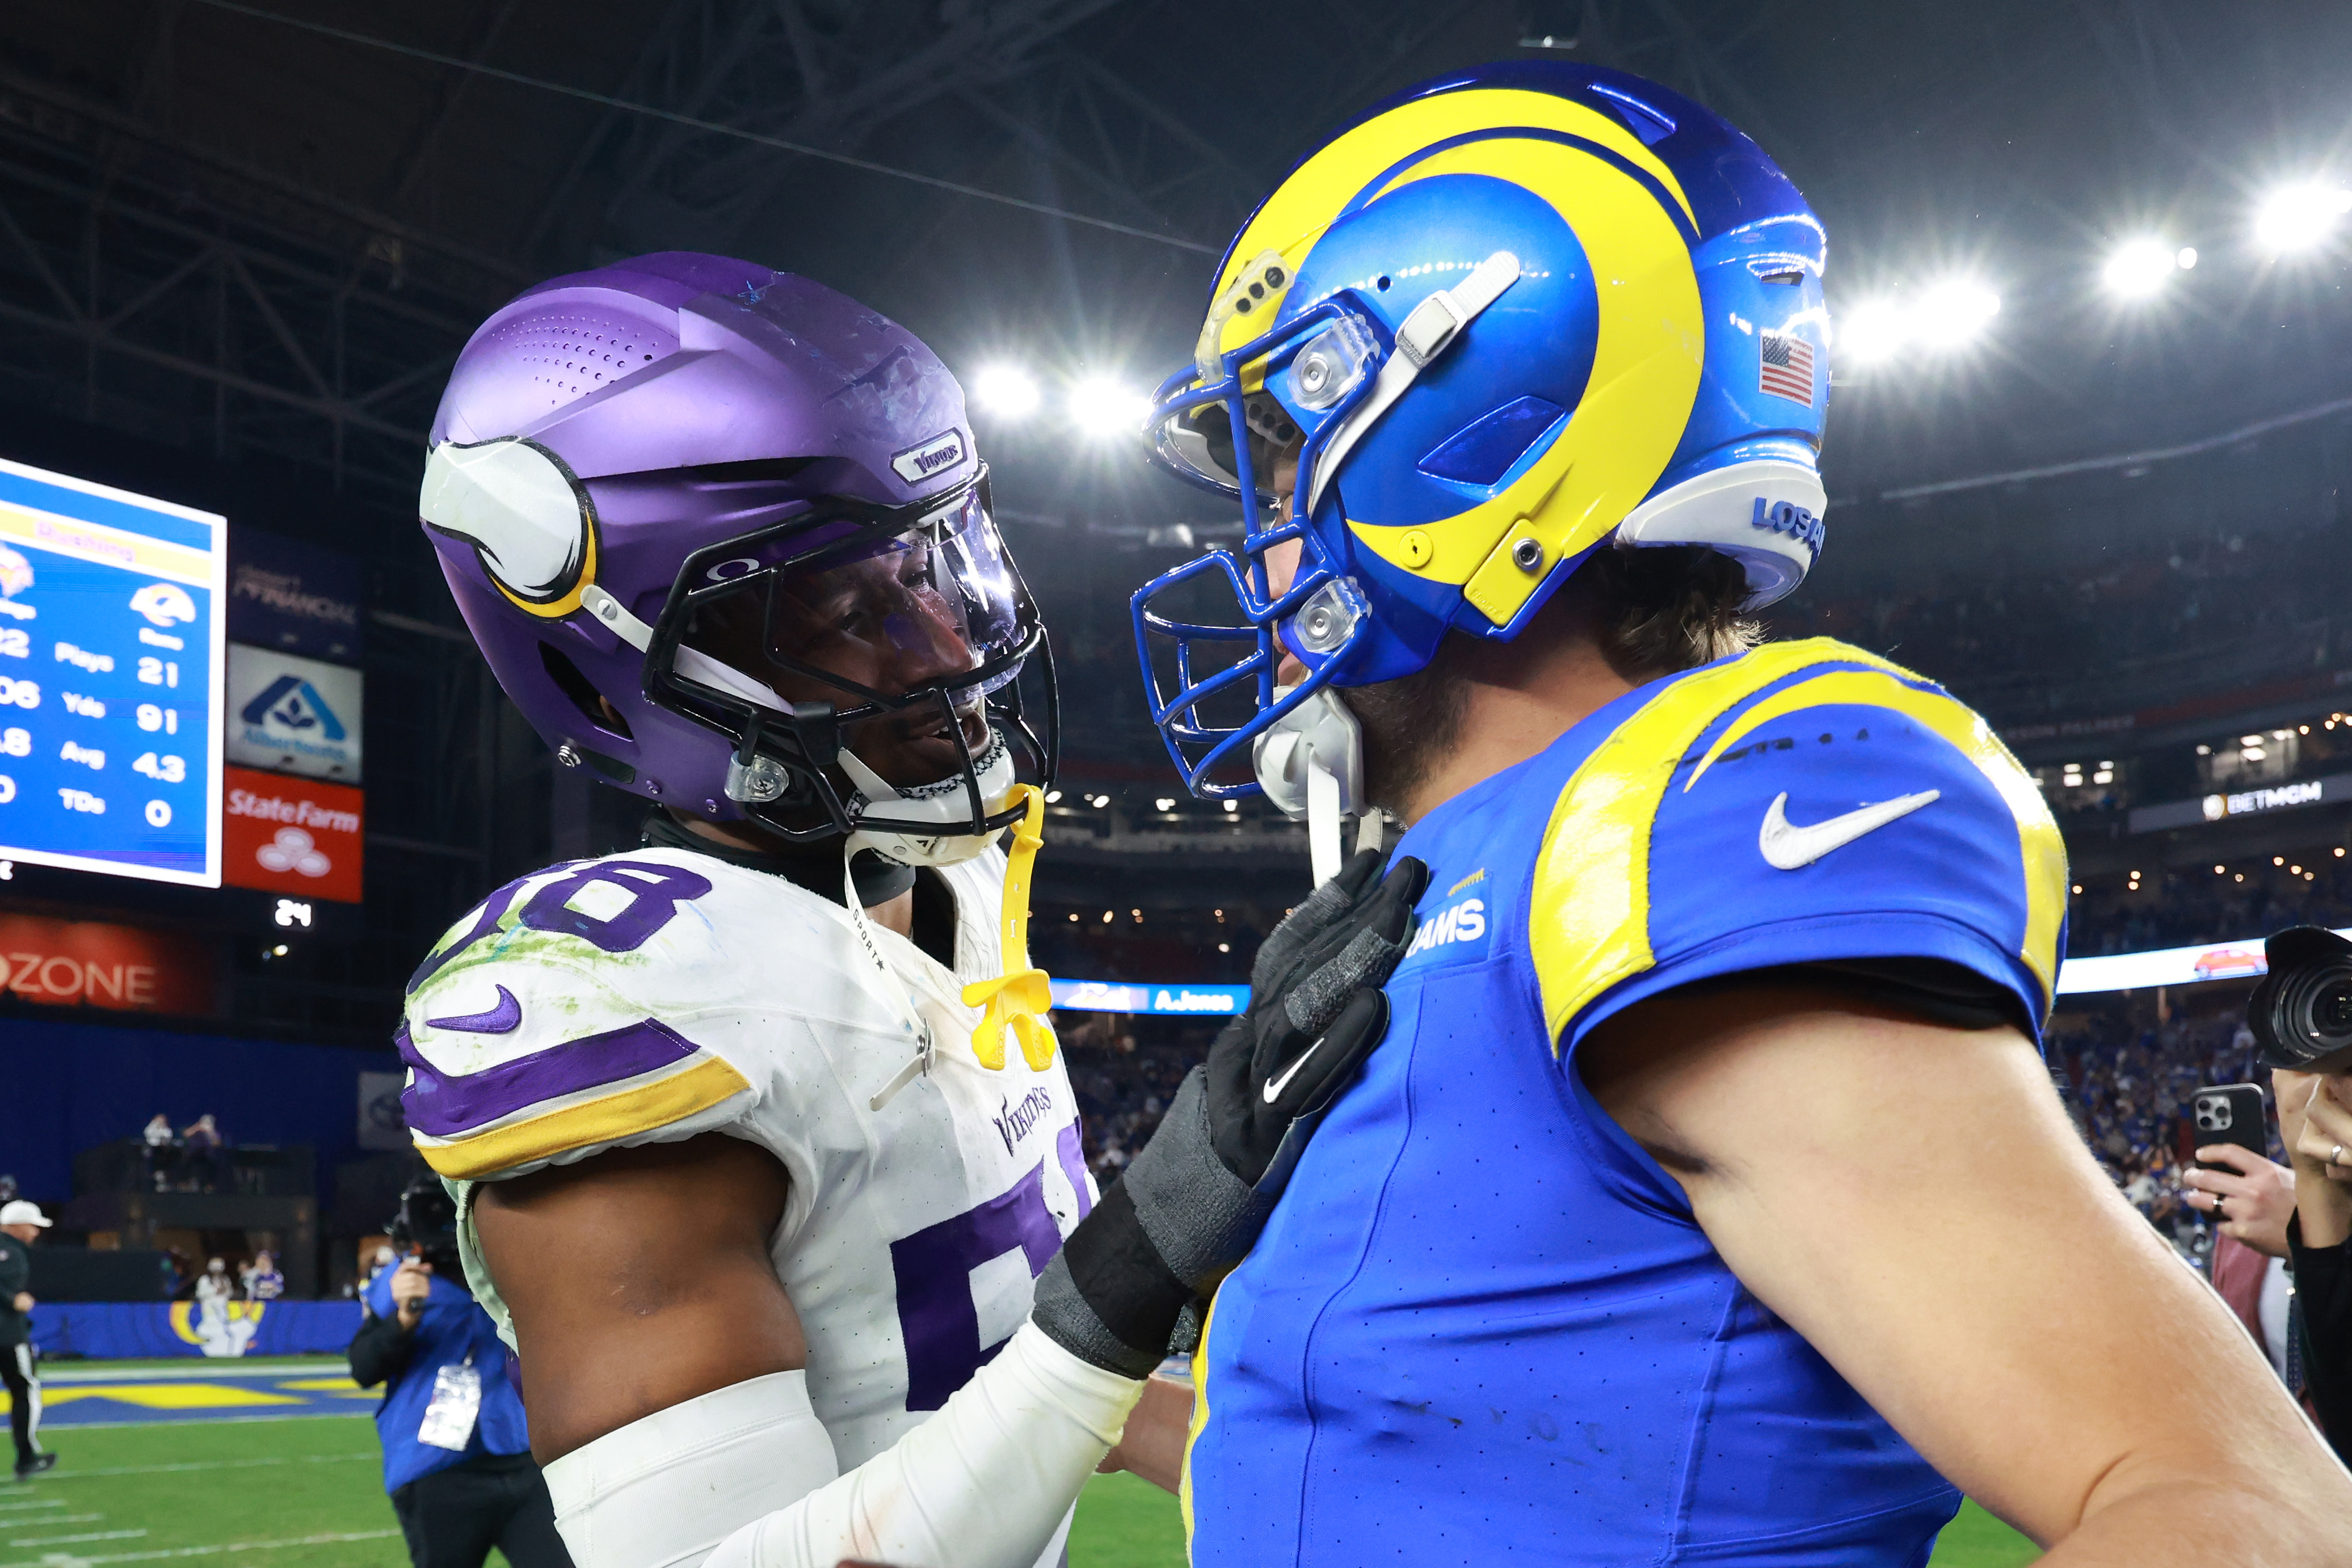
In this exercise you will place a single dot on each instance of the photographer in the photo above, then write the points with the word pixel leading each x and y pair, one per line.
pixel 2301 1014
pixel 456 1457
pixel 2315 1120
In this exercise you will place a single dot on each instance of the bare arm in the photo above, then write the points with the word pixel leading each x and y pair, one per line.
pixel 1157 1430
pixel 639 1279
pixel 1913 1201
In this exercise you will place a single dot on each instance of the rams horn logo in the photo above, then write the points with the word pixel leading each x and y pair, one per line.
pixel 164 604
pixel 526 514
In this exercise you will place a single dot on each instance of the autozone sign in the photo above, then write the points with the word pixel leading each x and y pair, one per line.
pixel 89 963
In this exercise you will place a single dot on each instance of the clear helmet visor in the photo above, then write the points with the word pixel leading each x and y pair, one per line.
pixel 904 628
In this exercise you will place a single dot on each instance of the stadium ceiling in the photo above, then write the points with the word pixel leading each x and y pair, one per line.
pixel 263 227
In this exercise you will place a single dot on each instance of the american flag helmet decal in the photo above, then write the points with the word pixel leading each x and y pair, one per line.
pixel 1786 366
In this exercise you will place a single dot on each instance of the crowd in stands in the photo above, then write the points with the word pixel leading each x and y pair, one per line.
pixel 1125 1071
pixel 2128 1091
pixel 2181 907
pixel 1982 631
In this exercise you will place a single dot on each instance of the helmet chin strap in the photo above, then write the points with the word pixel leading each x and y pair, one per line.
pixel 1311 765
pixel 945 802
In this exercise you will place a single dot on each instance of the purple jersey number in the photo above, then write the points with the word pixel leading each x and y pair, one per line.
pixel 937 1316
pixel 654 893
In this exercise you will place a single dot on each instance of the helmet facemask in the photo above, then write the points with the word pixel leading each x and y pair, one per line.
pixel 866 664
pixel 1320 379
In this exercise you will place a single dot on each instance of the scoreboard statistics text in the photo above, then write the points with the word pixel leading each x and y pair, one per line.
pixel 110 667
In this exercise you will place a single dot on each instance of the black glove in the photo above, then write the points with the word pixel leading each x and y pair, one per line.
pixel 1191 1204
pixel 1316 1011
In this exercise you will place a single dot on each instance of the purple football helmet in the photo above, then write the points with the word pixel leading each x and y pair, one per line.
pixel 723 537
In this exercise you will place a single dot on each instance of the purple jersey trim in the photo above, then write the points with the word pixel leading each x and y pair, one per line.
pixel 443 1106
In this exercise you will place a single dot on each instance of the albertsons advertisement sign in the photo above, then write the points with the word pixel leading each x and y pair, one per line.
pixel 293 715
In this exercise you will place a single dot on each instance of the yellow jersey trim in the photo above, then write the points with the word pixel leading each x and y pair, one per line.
pixel 2041 850
pixel 1200 1422
pixel 630 1113
pixel 1588 917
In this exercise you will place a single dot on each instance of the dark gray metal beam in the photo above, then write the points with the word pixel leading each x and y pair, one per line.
pixel 863 90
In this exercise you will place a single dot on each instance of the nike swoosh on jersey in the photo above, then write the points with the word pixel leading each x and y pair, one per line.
pixel 503 1019
pixel 1788 846
pixel 1276 1086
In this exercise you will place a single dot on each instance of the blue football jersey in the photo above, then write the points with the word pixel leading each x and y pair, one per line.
pixel 1482 1325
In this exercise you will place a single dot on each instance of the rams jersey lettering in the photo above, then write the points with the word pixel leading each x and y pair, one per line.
pixel 1482 1325
pixel 655 994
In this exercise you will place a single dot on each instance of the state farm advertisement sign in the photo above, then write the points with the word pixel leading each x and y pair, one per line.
pixel 294 836
pixel 86 963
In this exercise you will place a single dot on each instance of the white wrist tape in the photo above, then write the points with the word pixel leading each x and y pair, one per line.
pixel 985 1483
pixel 662 1491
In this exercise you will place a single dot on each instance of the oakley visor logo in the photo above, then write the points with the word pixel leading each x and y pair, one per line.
pixel 1788 517
pixel 939 451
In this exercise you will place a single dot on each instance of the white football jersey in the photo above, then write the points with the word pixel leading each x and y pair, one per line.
pixel 654 995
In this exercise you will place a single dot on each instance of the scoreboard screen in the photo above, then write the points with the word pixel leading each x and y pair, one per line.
pixel 110 668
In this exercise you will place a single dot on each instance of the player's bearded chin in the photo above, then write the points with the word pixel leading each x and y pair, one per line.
pixel 1408 725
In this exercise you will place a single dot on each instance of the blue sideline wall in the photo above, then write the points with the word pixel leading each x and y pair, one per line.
pixel 66 1086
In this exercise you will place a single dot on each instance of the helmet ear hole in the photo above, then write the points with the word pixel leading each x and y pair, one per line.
pixel 583 692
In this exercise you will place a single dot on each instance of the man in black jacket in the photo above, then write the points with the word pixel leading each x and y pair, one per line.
pixel 21 1223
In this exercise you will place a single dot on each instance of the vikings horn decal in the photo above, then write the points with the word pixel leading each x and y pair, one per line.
pixel 526 514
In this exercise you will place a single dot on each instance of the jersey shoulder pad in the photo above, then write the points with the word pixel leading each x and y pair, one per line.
pixel 600 1002
pixel 1805 802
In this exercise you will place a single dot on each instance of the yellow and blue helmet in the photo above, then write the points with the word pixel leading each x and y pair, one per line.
pixel 1515 313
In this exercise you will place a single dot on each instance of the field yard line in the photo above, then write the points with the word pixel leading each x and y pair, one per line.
pixel 20 1507
pixel 47 1519
pixel 124 1372
pixel 191 1464
pixel 85 1535
pixel 57 1424
pixel 57 1560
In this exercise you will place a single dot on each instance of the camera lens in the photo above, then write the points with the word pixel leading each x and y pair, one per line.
pixel 2302 1010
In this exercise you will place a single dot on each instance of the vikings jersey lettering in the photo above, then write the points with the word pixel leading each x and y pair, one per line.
pixel 1482 1325
pixel 651 995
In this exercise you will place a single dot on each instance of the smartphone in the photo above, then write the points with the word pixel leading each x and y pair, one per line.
pixel 2230 1113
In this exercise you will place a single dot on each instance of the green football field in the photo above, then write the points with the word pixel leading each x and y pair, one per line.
pixel 303 1491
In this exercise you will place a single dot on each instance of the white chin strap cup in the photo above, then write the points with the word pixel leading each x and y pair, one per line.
pixel 944 803
pixel 1311 765
pixel 1765 513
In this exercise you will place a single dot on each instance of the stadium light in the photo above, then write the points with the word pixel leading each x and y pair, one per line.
pixel 1006 391
pixel 2139 268
pixel 1871 331
pixel 2300 215
pixel 1954 312
pixel 1102 407
pixel 2186 258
